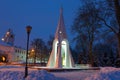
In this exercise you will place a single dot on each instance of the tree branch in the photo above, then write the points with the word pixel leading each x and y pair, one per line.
pixel 107 25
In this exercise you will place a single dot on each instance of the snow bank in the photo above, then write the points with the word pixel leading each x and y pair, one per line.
pixel 41 75
pixel 33 75
pixel 11 72
pixel 9 66
pixel 107 73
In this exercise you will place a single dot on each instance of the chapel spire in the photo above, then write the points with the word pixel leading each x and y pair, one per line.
pixel 61 26
pixel 60 56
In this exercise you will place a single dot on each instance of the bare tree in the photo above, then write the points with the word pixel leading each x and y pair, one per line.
pixel 50 43
pixel 39 46
pixel 110 17
pixel 86 26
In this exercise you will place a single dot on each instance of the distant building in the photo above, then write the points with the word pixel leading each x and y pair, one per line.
pixel 8 52
pixel 12 54
pixel 9 37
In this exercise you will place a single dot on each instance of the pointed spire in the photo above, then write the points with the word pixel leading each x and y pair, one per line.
pixel 60 56
pixel 61 26
pixel 61 10
pixel 9 37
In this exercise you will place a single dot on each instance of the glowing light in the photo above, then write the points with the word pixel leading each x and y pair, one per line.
pixel 8 33
pixel 33 50
pixel 64 62
pixel 56 44
pixel 3 58
pixel 64 53
pixel 3 39
pixel 60 32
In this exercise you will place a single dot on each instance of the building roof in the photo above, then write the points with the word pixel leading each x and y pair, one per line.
pixel 61 31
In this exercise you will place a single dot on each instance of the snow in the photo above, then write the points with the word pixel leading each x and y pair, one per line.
pixel 11 72
pixel 17 73
pixel 75 75
pixel 34 75
pixel 107 73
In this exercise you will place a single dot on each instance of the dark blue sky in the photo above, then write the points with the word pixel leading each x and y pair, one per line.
pixel 42 15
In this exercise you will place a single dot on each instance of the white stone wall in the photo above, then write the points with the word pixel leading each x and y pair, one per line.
pixel 9 51
pixel 14 54
pixel 20 54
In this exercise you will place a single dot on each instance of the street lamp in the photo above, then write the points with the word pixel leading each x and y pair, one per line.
pixel 28 30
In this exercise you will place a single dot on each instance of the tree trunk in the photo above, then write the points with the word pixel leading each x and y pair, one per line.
pixel 118 36
pixel 117 13
pixel 90 54
pixel 34 58
pixel 117 62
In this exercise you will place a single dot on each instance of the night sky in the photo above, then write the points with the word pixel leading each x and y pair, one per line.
pixel 42 15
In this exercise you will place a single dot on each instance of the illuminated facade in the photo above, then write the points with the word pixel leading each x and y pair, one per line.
pixel 60 56
pixel 12 54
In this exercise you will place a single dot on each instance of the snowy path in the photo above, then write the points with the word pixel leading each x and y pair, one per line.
pixel 11 72
pixel 75 75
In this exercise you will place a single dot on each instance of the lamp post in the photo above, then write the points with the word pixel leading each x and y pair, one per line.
pixel 28 30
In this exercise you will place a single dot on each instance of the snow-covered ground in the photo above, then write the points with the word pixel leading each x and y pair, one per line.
pixel 17 73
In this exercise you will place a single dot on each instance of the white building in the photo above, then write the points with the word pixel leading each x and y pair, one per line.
pixel 60 56
pixel 12 54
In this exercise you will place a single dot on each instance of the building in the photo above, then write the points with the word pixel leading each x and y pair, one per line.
pixel 9 52
pixel 60 56
pixel 12 54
